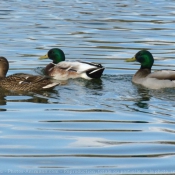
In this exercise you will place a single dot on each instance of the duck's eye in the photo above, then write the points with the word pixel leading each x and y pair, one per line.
pixel 50 52
pixel 138 55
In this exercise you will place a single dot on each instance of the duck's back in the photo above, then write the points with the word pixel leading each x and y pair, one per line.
pixel 155 80
pixel 26 82
pixel 77 66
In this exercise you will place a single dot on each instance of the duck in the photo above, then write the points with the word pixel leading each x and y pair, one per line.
pixel 152 80
pixel 63 70
pixel 22 81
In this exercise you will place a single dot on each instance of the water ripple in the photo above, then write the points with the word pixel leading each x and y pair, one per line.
pixel 106 126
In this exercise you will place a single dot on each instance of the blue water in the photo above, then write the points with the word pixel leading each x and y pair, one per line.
pixel 107 126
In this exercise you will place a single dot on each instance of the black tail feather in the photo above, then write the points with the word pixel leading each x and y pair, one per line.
pixel 95 73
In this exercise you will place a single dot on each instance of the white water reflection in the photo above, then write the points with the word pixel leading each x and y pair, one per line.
pixel 89 142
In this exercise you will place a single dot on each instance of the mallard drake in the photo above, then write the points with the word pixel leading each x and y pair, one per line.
pixel 22 82
pixel 156 80
pixel 63 70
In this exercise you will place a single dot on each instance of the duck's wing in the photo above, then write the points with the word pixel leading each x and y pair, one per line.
pixel 163 75
pixel 21 78
pixel 27 82
pixel 78 66
pixel 67 66
pixel 65 70
pixel 97 65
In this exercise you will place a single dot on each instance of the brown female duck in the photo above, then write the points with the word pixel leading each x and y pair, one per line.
pixel 22 82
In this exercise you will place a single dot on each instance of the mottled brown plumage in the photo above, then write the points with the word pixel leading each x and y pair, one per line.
pixel 22 82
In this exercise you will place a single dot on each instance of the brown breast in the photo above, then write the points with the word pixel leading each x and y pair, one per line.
pixel 49 68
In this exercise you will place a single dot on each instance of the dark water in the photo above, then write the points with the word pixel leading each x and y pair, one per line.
pixel 106 126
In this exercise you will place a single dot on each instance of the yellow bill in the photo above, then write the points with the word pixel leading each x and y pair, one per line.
pixel 44 57
pixel 131 59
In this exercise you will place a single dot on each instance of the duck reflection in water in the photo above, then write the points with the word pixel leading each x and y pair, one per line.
pixel 145 96
pixel 32 97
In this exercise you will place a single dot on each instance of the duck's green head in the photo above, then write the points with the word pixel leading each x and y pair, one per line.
pixel 55 54
pixel 144 57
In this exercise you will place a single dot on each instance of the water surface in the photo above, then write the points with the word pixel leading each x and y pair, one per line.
pixel 106 126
